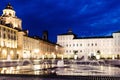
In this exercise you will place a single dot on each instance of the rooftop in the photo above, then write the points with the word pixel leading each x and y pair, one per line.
pixel 9 6
pixel 94 37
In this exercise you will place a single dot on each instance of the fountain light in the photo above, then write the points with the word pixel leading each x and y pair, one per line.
pixel 113 57
pixel 36 50
pixel 75 56
pixel 62 57
pixel 43 57
pixel 68 56
pixel 8 57
pixel 25 55
pixel 97 57
pixel 54 56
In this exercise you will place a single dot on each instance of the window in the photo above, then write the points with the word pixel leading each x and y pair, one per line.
pixel 80 50
pixel 73 44
pixel 66 45
pixel 8 36
pixel 92 44
pixel 88 44
pixel 8 30
pixel 14 37
pixel 95 44
pixel 11 32
pixel 14 32
pixel 80 44
pixel 4 36
pixel 66 51
pixel 77 44
pixel 4 29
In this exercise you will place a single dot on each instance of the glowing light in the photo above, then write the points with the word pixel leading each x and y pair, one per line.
pixel 97 57
pixel 43 56
pixel 113 57
pixel 75 57
pixel 62 57
pixel 36 50
pixel 54 56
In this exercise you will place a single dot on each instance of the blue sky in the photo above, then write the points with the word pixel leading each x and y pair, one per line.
pixel 84 17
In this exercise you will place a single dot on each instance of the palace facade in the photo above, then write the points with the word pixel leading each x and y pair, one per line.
pixel 16 44
pixel 100 47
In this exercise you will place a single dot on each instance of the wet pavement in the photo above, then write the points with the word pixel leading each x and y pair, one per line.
pixel 47 70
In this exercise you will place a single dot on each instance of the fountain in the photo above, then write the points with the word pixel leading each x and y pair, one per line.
pixel 87 68
pixel 60 63
pixel 25 60
pixel 21 65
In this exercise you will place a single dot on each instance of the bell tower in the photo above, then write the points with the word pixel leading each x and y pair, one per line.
pixel 9 16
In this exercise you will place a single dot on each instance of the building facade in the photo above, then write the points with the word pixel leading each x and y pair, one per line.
pixel 100 47
pixel 8 42
pixel 30 47
pixel 15 42
pixel 50 50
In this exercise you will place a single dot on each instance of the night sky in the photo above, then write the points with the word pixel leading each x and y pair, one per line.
pixel 84 17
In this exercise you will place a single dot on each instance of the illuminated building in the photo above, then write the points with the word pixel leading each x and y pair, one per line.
pixel 16 44
pixel 104 47
pixel 8 35
pixel 31 47
pixel 8 42
pixel 50 50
